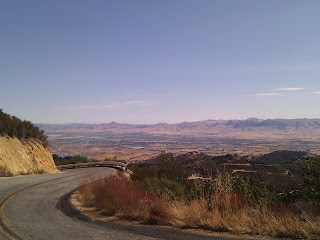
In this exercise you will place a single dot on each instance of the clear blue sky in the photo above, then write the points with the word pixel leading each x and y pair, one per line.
pixel 159 61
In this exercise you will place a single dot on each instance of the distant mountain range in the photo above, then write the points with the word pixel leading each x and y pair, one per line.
pixel 251 128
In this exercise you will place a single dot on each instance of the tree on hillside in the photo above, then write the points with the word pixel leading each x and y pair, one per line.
pixel 14 127
pixel 168 168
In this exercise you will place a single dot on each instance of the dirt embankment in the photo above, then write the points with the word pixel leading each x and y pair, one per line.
pixel 24 157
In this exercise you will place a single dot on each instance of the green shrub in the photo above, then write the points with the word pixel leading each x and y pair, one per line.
pixel 169 169
pixel 164 187
pixel 312 181
pixel 69 159
pixel 14 127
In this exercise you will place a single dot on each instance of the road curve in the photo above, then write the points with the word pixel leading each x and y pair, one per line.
pixel 28 211
pixel 28 208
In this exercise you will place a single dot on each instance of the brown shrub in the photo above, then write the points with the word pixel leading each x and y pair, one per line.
pixel 116 196
pixel 223 210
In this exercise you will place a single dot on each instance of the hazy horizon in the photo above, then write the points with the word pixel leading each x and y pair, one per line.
pixel 66 123
pixel 148 62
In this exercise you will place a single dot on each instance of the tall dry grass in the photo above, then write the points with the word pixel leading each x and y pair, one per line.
pixel 223 210
pixel 202 214
pixel 227 210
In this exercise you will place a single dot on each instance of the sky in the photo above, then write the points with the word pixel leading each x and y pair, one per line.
pixel 155 61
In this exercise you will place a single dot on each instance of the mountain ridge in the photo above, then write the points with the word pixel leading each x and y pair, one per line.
pixel 185 122
pixel 297 128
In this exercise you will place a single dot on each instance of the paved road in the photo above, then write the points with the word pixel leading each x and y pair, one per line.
pixel 32 213
pixel 28 211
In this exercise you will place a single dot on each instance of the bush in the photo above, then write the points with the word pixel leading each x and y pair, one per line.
pixel 140 172
pixel 163 194
pixel 225 205
pixel 69 159
pixel 312 181
pixel 165 188
pixel 169 169
pixel 116 196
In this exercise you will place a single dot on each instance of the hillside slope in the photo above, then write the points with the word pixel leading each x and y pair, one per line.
pixel 24 157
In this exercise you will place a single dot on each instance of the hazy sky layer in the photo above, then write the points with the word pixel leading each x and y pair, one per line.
pixel 159 61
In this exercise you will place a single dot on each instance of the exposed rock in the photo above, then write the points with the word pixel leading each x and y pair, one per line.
pixel 24 157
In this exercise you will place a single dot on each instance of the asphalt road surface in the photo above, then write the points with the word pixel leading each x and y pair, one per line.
pixel 28 211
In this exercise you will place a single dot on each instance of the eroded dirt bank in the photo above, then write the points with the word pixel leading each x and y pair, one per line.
pixel 24 157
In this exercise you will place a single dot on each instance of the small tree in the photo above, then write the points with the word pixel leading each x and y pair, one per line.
pixel 169 169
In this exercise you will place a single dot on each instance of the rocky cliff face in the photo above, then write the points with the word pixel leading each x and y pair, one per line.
pixel 24 157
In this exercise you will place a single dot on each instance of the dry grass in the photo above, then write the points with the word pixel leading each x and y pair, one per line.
pixel 244 220
pixel 227 210
pixel 224 210
pixel 116 196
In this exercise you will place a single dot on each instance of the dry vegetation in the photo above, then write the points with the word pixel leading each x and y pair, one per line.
pixel 225 209
pixel 116 196
pixel 222 215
